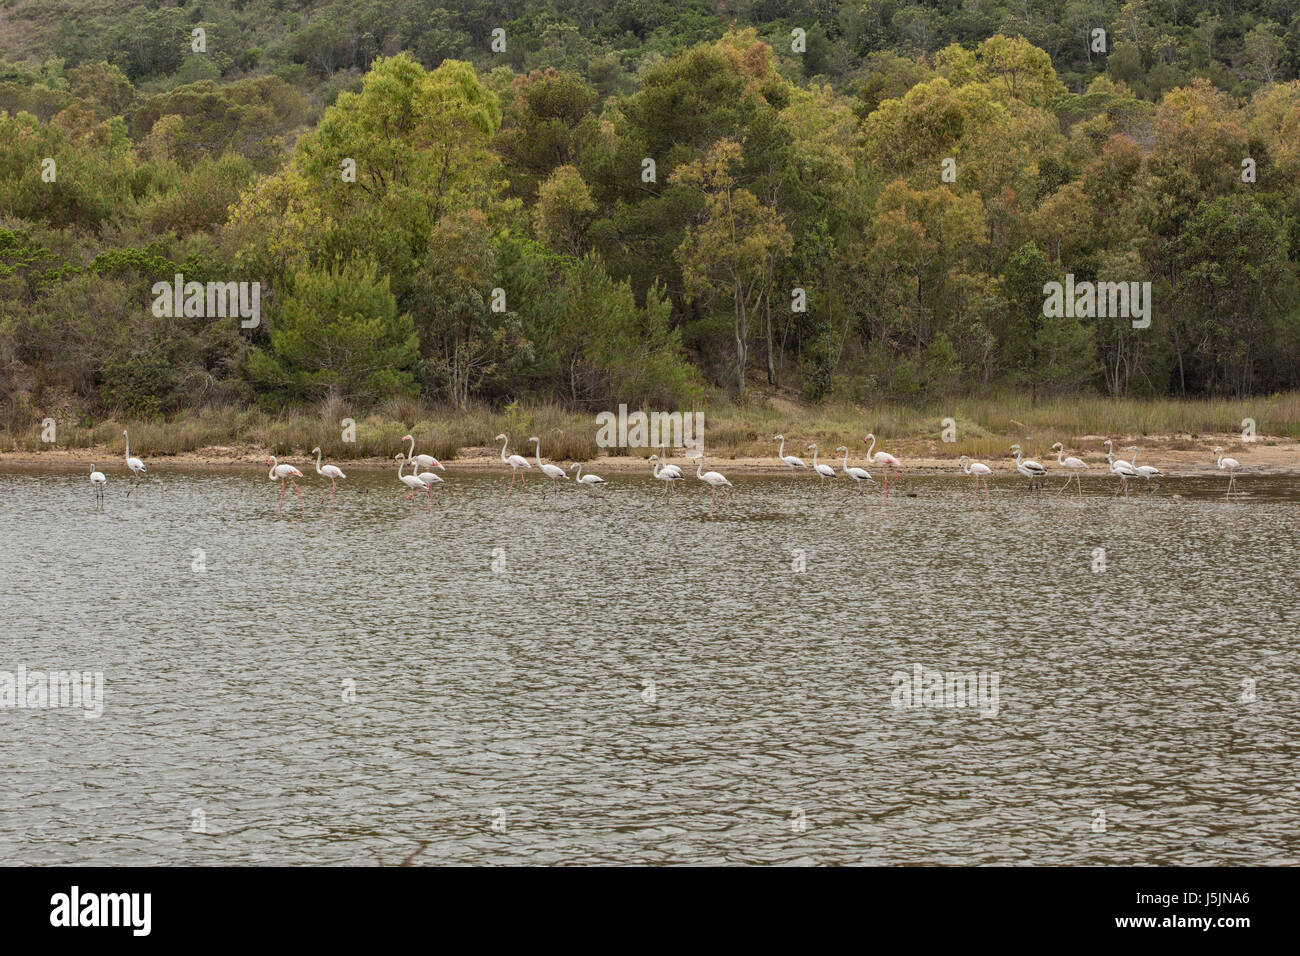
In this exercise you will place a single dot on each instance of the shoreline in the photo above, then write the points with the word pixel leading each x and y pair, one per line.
pixel 1265 455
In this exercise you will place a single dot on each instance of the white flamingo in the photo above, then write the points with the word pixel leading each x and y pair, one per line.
pixel 885 460
pixel 283 473
pixel 422 461
pixel 715 481
pixel 588 481
pixel 792 460
pixel 1029 468
pixel 135 464
pixel 1120 468
pixel 1230 465
pixel 672 470
pixel 859 475
pixel 515 462
pixel 823 471
pixel 1146 471
pixel 553 472
pixel 98 481
pixel 332 472
pixel 981 472
pixel 428 479
pixel 1074 466
pixel 664 474
pixel 412 482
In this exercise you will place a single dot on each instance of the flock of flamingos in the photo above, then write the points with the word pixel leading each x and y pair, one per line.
pixel 422 477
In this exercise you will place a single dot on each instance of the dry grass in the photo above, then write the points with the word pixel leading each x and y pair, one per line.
pixel 984 426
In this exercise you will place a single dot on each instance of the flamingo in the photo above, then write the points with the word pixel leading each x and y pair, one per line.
pixel 332 472
pixel 981 472
pixel 412 482
pixel 715 481
pixel 823 471
pixel 285 473
pixel 1145 471
pixel 1119 467
pixel 135 464
pixel 1073 465
pixel 589 481
pixel 428 479
pixel 884 460
pixel 423 461
pixel 553 472
pixel 98 481
pixel 791 460
pixel 515 462
pixel 672 470
pixel 1028 467
pixel 664 474
pixel 859 475
pixel 1230 465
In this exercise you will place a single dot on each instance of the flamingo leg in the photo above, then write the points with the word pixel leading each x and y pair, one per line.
pixel 282 491
pixel 299 490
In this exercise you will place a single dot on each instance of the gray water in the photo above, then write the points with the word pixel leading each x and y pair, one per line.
pixel 626 679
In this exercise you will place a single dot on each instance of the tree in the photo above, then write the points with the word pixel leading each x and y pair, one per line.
pixel 734 249
pixel 339 335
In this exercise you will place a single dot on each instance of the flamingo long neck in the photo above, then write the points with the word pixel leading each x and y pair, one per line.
pixel 654 467
pixel 538 452
pixel 814 457
pixel 1060 455
pixel 410 452
pixel 846 461
pixel 503 450
pixel 699 467
pixel 966 468
pixel 271 474
pixel 1134 460
pixel 579 478
pixel 318 461
pixel 128 446
pixel 1219 461
pixel 872 446
pixel 781 453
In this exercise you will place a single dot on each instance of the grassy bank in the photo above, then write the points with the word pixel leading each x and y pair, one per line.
pixel 984 427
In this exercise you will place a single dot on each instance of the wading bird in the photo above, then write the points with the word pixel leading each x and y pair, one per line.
pixel 1075 467
pixel 1230 465
pixel 981 472
pixel 859 475
pixel 823 471
pixel 553 472
pixel 515 462
pixel 664 474
pixel 885 460
pixel 332 472
pixel 412 482
pixel 428 479
pixel 589 481
pixel 715 481
pixel 135 464
pixel 1145 471
pixel 98 481
pixel 1120 468
pixel 421 461
pixel 792 460
pixel 1029 468
pixel 672 470
pixel 284 473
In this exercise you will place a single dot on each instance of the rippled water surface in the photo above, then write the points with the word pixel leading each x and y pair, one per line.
pixel 619 678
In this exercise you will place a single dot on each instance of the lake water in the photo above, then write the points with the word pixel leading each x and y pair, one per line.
pixel 622 679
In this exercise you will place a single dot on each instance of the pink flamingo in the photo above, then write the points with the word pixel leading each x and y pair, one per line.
pixel 885 460
pixel 422 461
pixel 515 462
pixel 332 472
pixel 412 482
pixel 289 473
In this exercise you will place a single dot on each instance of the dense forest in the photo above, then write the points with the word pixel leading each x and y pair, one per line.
pixel 641 201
